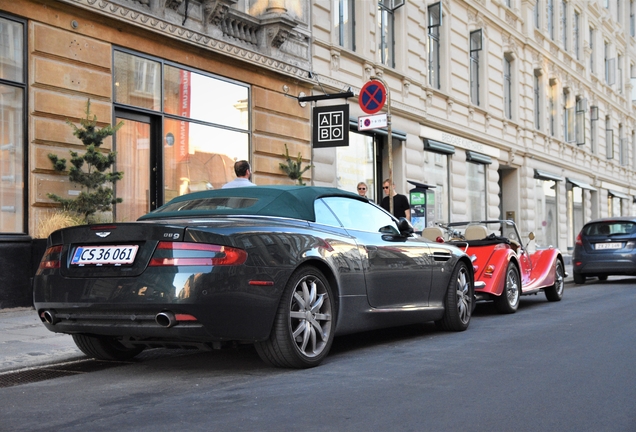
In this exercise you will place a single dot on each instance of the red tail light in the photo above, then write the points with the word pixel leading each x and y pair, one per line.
pixel 579 241
pixel 51 259
pixel 196 254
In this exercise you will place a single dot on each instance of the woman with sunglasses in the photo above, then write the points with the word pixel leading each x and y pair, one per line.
pixel 362 189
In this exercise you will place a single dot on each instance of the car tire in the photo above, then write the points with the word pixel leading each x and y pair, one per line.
pixel 555 292
pixel 104 348
pixel 303 329
pixel 579 279
pixel 459 301
pixel 602 277
pixel 508 301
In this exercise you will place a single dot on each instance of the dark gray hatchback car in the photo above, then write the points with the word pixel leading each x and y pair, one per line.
pixel 605 247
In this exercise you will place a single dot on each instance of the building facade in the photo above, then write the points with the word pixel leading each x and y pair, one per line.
pixel 517 109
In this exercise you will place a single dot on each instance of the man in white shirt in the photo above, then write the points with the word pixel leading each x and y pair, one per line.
pixel 243 172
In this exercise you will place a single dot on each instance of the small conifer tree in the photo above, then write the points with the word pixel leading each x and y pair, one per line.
pixel 293 168
pixel 95 195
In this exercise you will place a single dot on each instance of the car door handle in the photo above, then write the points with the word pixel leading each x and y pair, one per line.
pixel 371 251
pixel 441 256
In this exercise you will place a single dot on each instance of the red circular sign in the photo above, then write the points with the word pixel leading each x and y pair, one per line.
pixel 372 97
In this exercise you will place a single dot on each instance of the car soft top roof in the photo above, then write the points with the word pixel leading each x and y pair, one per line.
pixel 295 202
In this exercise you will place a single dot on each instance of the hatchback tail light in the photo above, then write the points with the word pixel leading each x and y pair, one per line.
pixel 51 259
pixel 579 241
pixel 196 254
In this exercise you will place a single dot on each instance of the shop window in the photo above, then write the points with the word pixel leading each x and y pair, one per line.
pixel 575 205
pixel 614 205
pixel 12 127
pixel 476 190
pixel 356 163
pixel 546 213
pixel 188 144
pixel 344 22
pixel 436 168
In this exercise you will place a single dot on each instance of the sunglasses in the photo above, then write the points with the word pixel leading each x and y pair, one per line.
pixel 385 187
pixel 362 188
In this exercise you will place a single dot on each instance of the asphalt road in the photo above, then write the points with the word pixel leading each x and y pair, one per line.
pixel 566 366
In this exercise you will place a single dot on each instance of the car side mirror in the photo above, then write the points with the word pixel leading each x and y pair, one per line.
pixel 405 227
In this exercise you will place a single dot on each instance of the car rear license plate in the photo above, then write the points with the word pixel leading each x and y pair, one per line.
pixel 105 255
pixel 608 246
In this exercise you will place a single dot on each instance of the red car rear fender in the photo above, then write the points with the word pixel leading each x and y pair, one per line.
pixel 543 269
pixel 491 263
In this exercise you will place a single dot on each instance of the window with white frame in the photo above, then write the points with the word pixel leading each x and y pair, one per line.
pixel 568 116
pixel 577 35
pixel 550 10
pixel 593 128
pixel 619 73
pixel 386 26
pixel 632 23
pixel 564 25
pixel 591 42
pixel 507 82
pixel 434 24
pixel 609 138
pixel 581 109
pixel 476 45
pixel 13 99
pixel 537 99
pixel 552 106
pixel 622 145
pixel 610 65
pixel 344 23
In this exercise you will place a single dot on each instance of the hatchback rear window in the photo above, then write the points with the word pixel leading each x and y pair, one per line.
pixel 610 228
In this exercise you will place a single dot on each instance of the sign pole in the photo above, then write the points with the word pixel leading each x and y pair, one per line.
pixel 390 139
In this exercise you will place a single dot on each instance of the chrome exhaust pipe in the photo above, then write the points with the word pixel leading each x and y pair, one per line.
pixel 49 317
pixel 166 319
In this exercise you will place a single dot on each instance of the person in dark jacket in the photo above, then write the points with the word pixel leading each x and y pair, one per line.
pixel 401 206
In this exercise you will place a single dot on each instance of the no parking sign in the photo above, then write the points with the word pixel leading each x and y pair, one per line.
pixel 372 97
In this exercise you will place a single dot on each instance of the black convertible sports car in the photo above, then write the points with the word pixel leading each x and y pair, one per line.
pixel 284 267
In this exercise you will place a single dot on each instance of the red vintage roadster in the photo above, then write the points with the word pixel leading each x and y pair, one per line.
pixel 504 268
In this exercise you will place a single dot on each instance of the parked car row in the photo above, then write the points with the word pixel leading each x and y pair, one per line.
pixel 286 268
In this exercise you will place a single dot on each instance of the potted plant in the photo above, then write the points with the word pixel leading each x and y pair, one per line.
pixel 293 167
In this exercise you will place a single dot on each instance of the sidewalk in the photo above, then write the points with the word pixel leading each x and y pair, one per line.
pixel 25 342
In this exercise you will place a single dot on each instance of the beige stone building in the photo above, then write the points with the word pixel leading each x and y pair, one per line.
pixel 197 85
pixel 511 108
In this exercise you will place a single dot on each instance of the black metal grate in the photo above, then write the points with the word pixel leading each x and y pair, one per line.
pixel 27 376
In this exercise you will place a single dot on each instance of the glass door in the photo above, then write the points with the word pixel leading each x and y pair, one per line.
pixel 132 144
